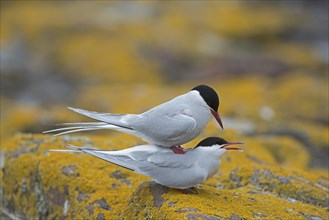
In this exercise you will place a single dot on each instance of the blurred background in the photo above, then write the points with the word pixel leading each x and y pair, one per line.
pixel 268 60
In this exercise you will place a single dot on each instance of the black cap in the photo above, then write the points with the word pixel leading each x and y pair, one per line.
pixel 209 96
pixel 210 141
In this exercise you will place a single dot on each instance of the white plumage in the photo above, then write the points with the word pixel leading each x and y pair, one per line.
pixel 179 171
pixel 170 124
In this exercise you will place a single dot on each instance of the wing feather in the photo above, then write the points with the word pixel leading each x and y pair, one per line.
pixel 165 128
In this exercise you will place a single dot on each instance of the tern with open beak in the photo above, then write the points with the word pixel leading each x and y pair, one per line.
pixel 170 124
pixel 180 171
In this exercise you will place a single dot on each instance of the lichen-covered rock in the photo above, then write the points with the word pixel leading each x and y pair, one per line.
pixel 48 185
pixel 254 184
pixel 288 184
pixel 153 201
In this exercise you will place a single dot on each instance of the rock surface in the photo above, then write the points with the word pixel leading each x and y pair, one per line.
pixel 51 185
pixel 153 201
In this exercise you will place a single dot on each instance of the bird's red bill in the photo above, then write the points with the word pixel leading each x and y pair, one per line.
pixel 217 117
pixel 226 146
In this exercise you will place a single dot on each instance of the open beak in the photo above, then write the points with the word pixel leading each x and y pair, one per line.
pixel 216 115
pixel 225 146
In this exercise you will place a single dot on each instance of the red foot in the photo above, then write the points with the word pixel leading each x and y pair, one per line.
pixel 188 191
pixel 178 149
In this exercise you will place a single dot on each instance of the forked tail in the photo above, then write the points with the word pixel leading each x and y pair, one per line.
pixel 80 126
pixel 108 121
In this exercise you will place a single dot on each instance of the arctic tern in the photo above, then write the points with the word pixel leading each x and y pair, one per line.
pixel 180 171
pixel 168 125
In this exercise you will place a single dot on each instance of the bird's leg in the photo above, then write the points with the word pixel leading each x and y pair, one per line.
pixel 189 191
pixel 178 149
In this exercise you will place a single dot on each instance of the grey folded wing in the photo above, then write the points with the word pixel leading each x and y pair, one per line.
pixel 164 127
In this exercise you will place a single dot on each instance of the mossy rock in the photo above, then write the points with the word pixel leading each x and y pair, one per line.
pixel 48 185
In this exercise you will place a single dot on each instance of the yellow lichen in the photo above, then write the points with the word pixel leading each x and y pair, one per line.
pixel 265 186
pixel 220 203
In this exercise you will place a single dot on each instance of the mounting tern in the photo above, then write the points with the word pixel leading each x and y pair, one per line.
pixel 167 125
